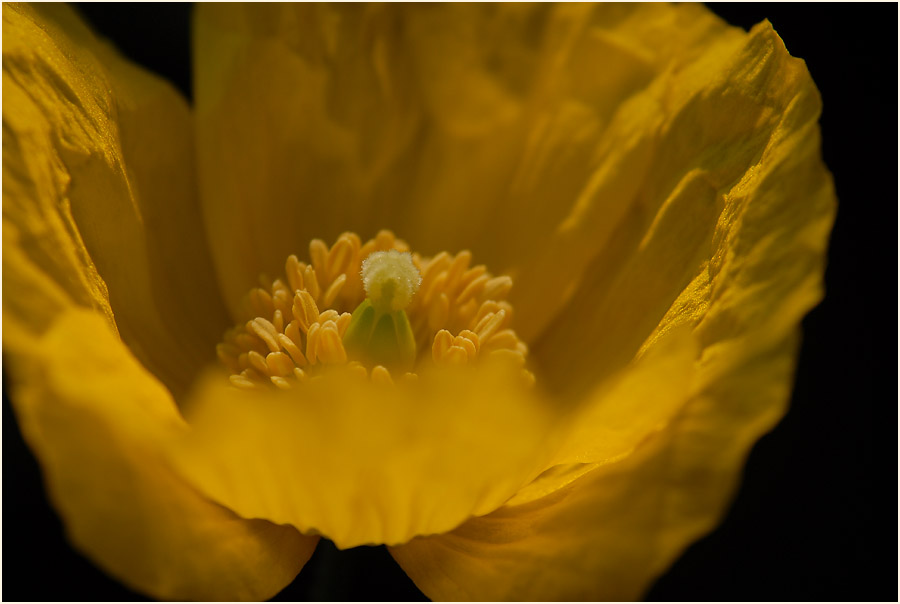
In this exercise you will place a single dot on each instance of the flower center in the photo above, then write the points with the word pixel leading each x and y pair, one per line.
pixel 408 311
pixel 379 332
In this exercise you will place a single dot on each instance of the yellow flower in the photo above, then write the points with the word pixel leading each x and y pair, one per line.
pixel 646 179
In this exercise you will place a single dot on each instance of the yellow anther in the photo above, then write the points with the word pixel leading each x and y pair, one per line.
pixel 292 331
pixel 446 348
pixel 334 289
pixel 471 336
pixel 473 289
pixel 505 338
pixel 253 375
pixel 330 348
pixel 439 283
pixel 304 309
pixel 266 332
pixel 312 342
pixel 292 349
pixel 466 345
pixel 497 287
pixel 228 355
pixel 380 375
pixel 246 341
pixel 278 322
pixel 261 303
pixel 528 378
pixel 384 240
pixel 328 315
pixel 279 364
pixel 343 322
pixel 437 265
pixel 490 307
pixel 456 356
pixel 241 382
pixel 357 370
pixel 458 267
pixel 489 324
pixel 311 282
pixel 318 253
pixel 258 362
pixel 339 258
pixel 280 382
pixel 511 356
pixel 294 272
pixel 443 340
pixel 476 272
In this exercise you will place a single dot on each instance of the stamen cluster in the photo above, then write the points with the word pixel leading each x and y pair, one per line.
pixel 293 327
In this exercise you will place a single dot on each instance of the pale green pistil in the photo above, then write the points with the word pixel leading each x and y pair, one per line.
pixel 379 332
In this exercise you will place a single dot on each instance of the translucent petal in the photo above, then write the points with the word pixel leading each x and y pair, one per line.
pixel 616 417
pixel 97 422
pixel 366 463
pixel 739 291
pixel 447 123
pixel 99 196
pixel 609 533
pixel 733 121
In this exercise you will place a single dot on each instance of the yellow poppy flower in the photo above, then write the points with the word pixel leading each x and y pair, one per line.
pixel 616 217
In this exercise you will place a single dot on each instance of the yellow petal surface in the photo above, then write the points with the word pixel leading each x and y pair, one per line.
pixel 699 401
pixel 366 463
pixel 448 124
pixel 712 130
pixel 99 205
pixel 97 421
pixel 617 416
pixel 609 533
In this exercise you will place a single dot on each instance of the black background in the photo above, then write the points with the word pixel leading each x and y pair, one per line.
pixel 816 515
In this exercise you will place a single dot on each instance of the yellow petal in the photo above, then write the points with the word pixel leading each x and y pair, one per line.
pixel 612 528
pixel 448 124
pixel 715 129
pixel 98 191
pixel 366 463
pixel 617 416
pixel 702 245
pixel 297 121
pixel 510 190
pixel 97 421
pixel 609 533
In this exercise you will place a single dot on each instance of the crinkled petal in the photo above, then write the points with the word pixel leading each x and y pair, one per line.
pixel 449 124
pixel 762 234
pixel 97 422
pixel 659 279
pixel 99 205
pixel 366 464
pixel 612 526
pixel 711 131
pixel 609 533
pixel 298 116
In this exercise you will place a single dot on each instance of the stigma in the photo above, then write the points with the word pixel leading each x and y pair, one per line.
pixel 390 279
pixel 375 309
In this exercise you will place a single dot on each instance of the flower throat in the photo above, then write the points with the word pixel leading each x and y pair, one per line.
pixel 373 308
